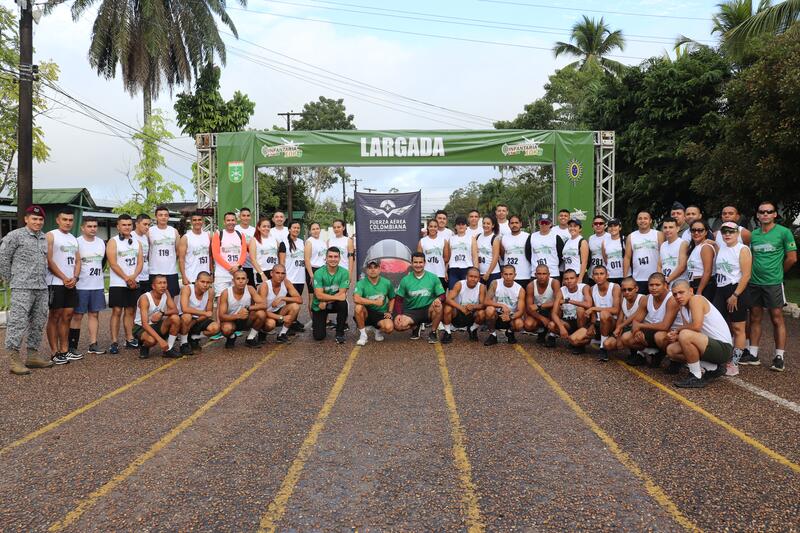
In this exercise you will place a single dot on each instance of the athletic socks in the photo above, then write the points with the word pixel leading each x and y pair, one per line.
pixel 448 328
pixel 74 337
pixel 184 339
pixel 473 327
pixel 253 334
pixel 171 341
pixel 779 353
pixel 494 333
pixel 705 365
pixel 694 368
pixel 197 337
pixel 753 351
pixel 603 340
pixel 284 330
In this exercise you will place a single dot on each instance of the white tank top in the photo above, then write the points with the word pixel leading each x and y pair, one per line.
pixel 714 324
pixel 248 233
pixel 280 235
pixel 341 243
pixel 695 265
pixel 65 246
pixel 656 315
pixel 596 250
pixel 614 255
pixel 319 250
pixel 630 311
pixel 92 254
pixel 434 254
pixel 541 298
pixel 474 232
pixel 670 255
pixel 296 262
pixel 721 242
pixel 234 305
pixel 194 303
pixel 460 251
pixel 230 247
pixel 485 256
pixel 571 254
pixel 271 296
pixel 198 255
pixel 606 300
pixel 162 250
pixel 728 268
pixel 144 275
pixel 152 308
pixel 507 295
pixel 644 257
pixel 544 251
pixel 267 252
pixel 514 254
pixel 569 310
pixel 127 257
pixel 467 295
pixel 503 228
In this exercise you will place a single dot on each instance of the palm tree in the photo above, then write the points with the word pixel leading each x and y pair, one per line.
pixel 731 15
pixel 154 42
pixel 593 41
pixel 769 20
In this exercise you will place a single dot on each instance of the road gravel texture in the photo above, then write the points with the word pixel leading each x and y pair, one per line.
pixel 395 436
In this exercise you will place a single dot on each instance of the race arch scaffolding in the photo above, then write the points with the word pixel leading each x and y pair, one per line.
pixel 583 162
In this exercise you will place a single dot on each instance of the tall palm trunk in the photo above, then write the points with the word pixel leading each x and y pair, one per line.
pixel 147 101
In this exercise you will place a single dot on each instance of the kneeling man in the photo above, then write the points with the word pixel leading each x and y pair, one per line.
pixel 602 315
pixel 374 299
pixel 241 308
pixel 463 306
pixel 161 320
pixel 704 340
pixel 330 296
pixel 505 306
pixel 196 310
pixel 571 312
pixel 283 303
pixel 420 291
pixel 651 324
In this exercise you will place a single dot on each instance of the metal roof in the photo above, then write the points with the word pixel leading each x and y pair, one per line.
pixel 73 196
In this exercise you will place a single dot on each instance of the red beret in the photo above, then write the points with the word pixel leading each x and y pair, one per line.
pixel 35 210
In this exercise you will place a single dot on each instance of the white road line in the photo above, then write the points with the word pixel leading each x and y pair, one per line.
pixel 765 394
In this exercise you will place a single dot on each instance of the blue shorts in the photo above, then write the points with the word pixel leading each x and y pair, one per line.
pixel 91 301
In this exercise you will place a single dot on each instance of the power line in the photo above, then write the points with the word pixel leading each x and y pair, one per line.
pixel 459 21
pixel 435 36
pixel 601 11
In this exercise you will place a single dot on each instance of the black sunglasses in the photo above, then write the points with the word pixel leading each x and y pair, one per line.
pixel 766 211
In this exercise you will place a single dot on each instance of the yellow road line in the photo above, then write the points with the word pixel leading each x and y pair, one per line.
pixel 277 507
pixel 69 416
pixel 772 454
pixel 469 496
pixel 88 502
pixel 656 492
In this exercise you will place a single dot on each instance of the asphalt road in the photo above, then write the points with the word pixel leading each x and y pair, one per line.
pixel 401 435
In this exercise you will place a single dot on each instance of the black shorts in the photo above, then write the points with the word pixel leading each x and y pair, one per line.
pixel 460 320
pixel 444 284
pixel 523 282
pixel 173 285
pixel 492 277
pixel 122 297
pixel 419 316
pixel 299 287
pixel 572 324
pixel 138 330
pixel 251 276
pixel 643 287
pixel 454 275
pixel 144 286
pixel 267 276
pixel 60 297
pixel 310 279
pixel 200 326
pixel 618 281
pixel 768 296
pixel 650 338
pixel 373 317
pixel 708 292
pixel 243 324
pixel 721 303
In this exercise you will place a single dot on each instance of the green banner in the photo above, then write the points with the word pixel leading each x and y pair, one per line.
pixel 571 153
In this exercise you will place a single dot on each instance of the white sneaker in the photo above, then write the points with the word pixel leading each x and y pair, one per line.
pixel 731 369
pixel 378 335
pixel 362 340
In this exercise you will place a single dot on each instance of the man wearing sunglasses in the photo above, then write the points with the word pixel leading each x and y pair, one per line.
pixel 774 252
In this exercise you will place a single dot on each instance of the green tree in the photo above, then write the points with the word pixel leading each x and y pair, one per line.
pixel 206 111
pixel 153 188
pixel 771 20
pixel 273 191
pixel 538 115
pixel 593 41
pixel 9 102
pixel 154 42
pixel 757 152
pixel 660 111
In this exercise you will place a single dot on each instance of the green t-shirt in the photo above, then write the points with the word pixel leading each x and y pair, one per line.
pixel 419 293
pixel 329 283
pixel 769 250
pixel 384 287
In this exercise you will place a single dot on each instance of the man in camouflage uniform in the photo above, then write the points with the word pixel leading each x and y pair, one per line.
pixel 23 264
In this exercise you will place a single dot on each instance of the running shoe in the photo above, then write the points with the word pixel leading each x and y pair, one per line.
pixel 215 337
pixel 510 337
pixel 777 364
pixel 433 337
pixel 731 369
pixel 379 335
pixel 195 344
pixel 541 336
pixel 550 341
pixel 749 359
pixel 73 354
pixel 602 355
pixel 297 326
pixel 491 340
pixel 577 350
pixel 282 338
pixel 172 353
pixel 447 337
pixel 674 367
pixel 330 324
pixel 339 339
pixel 473 335
pixel 362 340
pixel 95 349
pixel 132 344
pixel 714 374
pixel 144 352
pixel 252 343
pixel 186 349
pixel 262 337
pixel 691 382
pixel 415 332
pixel 230 342
pixel 60 358
pixel 635 359
pixel 113 349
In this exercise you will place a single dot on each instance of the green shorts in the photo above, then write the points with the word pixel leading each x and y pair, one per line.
pixel 717 352
pixel 138 330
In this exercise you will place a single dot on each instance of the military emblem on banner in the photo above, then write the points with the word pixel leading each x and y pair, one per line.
pixel 574 171
pixel 235 171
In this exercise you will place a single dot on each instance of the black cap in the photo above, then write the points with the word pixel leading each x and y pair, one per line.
pixel 575 221
pixel 544 217
pixel 375 262
pixel 678 205
pixel 614 222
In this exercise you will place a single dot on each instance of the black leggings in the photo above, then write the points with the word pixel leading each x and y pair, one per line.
pixel 320 318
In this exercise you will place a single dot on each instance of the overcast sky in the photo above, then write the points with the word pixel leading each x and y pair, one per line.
pixel 493 81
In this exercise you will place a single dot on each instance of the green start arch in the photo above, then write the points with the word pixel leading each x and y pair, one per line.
pixel 582 161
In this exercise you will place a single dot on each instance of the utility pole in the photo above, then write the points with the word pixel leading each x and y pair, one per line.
pixel 355 186
pixel 344 199
pixel 25 113
pixel 289 207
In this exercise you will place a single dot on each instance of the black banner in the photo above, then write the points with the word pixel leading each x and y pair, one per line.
pixel 387 228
